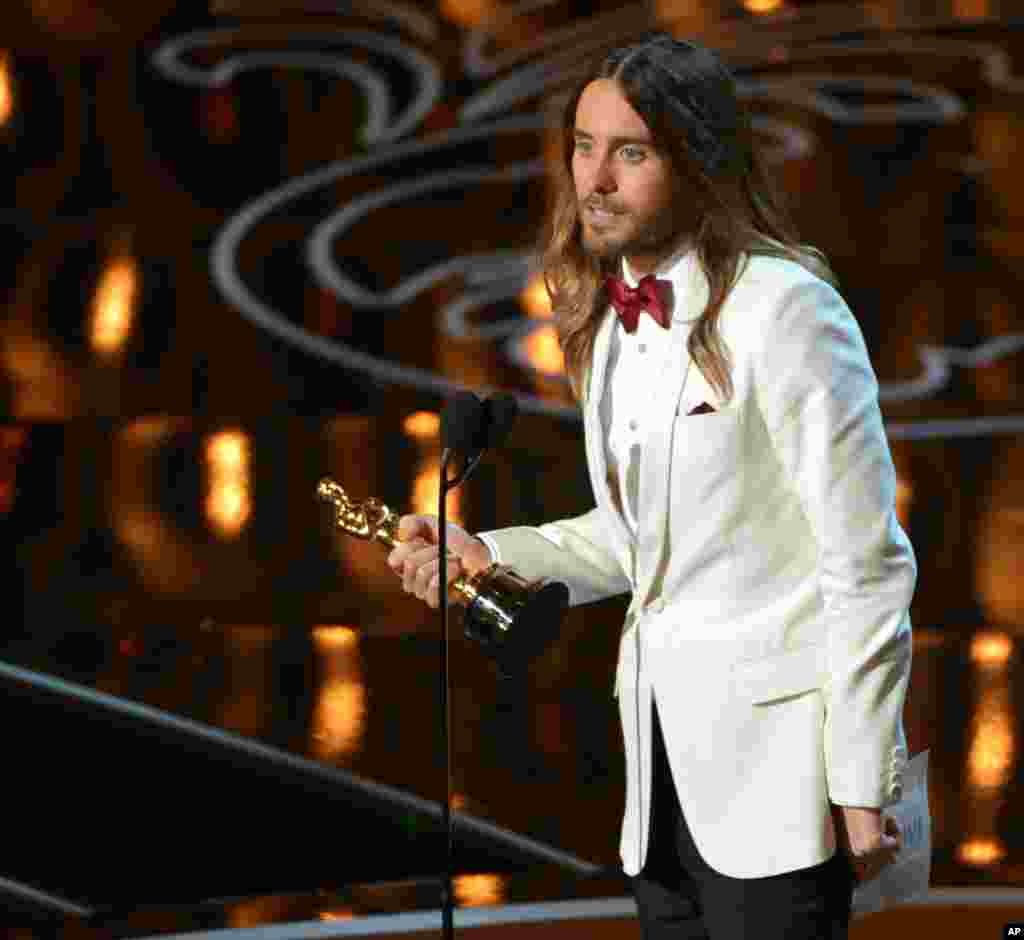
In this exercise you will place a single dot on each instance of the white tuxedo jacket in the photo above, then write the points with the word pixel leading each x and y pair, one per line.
pixel 771 579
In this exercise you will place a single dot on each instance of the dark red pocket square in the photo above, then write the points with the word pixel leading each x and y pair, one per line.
pixel 702 409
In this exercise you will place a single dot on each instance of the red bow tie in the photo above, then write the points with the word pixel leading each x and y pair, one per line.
pixel 629 301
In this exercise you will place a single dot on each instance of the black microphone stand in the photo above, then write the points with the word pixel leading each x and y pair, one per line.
pixel 442 547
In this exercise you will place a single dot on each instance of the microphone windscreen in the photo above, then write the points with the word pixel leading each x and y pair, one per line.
pixel 462 423
pixel 501 411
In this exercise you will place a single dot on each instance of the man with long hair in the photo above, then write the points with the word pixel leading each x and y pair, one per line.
pixel 745 496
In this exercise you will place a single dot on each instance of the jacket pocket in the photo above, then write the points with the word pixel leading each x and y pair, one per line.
pixel 781 675
pixel 709 442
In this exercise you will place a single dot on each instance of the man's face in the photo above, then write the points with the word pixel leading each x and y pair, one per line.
pixel 623 183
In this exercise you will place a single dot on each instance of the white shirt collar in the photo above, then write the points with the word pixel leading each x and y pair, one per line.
pixel 663 267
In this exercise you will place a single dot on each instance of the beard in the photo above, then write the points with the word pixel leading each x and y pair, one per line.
pixel 626 235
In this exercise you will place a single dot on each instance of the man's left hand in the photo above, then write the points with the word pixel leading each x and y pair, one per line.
pixel 870 840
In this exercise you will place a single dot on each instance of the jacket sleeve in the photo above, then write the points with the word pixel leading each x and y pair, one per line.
pixel 818 394
pixel 573 551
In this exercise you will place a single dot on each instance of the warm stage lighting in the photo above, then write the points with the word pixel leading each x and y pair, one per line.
pixel 424 428
pixel 991 754
pixel 6 88
pixel 339 716
pixel 426 485
pixel 113 306
pixel 991 757
pixel 467 13
pixel 981 852
pixel 904 500
pixel 422 425
pixel 228 500
pixel 477 890
pixel 535 299
pixel 334 638
pixel 228 451
pixel 991 649
pixel 544 352
pixel 762 6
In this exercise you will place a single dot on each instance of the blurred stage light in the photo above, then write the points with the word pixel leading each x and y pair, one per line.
pixel 339 716
pixel 334 638
pixel 113 306
pixel 991 648
pixel 981 852
pixel 467 13
pixel 544 352
pixel 422 425
pixel 426 491
pixel 423 428
pixel 228 501
pixel 992 749
pixel 904 499
pixel 6 88
pixel 477 890
pixel 535 299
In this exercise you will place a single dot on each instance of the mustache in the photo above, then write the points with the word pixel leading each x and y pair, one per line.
pixel 601 204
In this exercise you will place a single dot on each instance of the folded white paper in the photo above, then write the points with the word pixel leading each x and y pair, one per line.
pixel 907 877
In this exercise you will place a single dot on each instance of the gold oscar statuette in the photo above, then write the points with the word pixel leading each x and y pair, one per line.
pixel 513 619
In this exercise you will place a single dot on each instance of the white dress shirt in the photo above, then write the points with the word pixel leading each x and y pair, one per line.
pixel 633 358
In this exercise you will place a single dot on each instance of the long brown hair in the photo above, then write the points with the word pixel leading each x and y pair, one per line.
pixel 688 100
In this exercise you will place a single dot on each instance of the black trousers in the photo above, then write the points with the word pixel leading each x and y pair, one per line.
pixel 680 897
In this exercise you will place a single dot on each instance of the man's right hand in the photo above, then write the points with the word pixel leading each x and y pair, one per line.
pixel 415 558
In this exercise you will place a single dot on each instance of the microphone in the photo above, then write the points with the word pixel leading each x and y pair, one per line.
pixel 500 412
pixel 464 429
pixel 463 424
pixel 470 427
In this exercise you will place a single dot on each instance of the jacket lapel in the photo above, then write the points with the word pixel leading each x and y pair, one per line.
pixel 595 439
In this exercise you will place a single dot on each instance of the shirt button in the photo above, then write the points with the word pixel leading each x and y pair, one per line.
pixel 633 425
pixel 642 348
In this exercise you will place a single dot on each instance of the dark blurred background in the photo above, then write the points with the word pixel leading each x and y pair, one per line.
pixel 253 243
